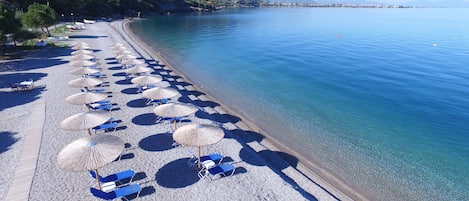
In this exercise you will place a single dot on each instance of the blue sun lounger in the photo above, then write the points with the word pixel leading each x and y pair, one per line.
pixel 216 158
pixel 117 193
pixel 220 169
pixel 100 107
pixel 117 177
pixel 110 126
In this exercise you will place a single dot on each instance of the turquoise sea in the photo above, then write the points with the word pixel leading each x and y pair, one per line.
pixel 379 97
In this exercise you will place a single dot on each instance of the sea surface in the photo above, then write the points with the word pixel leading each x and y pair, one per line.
pixel 379 97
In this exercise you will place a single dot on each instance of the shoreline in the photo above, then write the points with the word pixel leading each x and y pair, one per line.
pixel 320 176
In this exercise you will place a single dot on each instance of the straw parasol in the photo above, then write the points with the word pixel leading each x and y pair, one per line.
pixel 81 47
pixel 126 56
pixel 174 110
pixel 159 93
pixel 198 135
pixel 90 153
pixel 146 79
pixel 84 121
pixel 132 62
pixel 83 71
pixel 118 47
pixel 82 63
pixel 138 69
pixel 82 57
pixel 116 44
pixel 85 98
pixel 123 51
pixel 84 82
pixel 82 52
pixel 80 43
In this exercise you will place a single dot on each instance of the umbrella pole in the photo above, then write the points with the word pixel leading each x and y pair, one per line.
pixel 199 159
pixel 89 131
pixel 174 123
pixel 97 178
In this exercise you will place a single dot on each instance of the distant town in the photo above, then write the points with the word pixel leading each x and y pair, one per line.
pixel 290 4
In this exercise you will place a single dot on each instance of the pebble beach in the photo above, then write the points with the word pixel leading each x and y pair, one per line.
pixel 263 172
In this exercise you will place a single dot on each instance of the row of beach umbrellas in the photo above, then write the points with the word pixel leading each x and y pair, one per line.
pixel 190 135
pixel 95 151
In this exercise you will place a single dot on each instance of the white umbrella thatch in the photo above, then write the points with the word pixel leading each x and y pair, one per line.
pixel 80 44
pixel 132 62
pixel 126 56
pixel 82 52
pixel 85 98
pixel 81 47
pixel 124 51
pixel 84 82
pixel 83 71
pixel 82 57
pixel 138 69
pixel 84 121
pixel 81 63
pixel 159 93
pixel 90 153
pixel 119 48
pixel 146 79
pixel 174 110
pixel 116 44
pixel 198 135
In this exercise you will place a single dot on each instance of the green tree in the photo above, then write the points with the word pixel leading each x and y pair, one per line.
pixel 39 16
pixel 8 23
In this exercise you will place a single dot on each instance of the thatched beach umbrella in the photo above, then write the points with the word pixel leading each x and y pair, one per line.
pixel 85 82
pixel 174 110
pixel 146 79
pixel 123 51
pixel 82 63
pixel 85 98
pixel 83 71
pixel 118 46
pixel 90 153
pixel 84 121
pixel 198 135
pixel 81 47
pixel 138 69
pixel 80 44
pixel 82 57
pixel 132 62
pixel 82 52
pixel 126 57
pixel 159 93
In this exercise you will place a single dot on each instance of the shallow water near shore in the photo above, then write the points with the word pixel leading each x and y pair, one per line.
pixel 380 97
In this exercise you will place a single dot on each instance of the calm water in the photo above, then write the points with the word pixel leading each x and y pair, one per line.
pixel 380 97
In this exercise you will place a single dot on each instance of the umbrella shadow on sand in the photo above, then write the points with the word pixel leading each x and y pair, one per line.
pixel 123 82
pixel 146 119
pixel 276 161
pixel 137 103
pixel 157 142
pixel 131 90
pixel 14 98
pixel 7 139
pixel 176 174
pixel 217 117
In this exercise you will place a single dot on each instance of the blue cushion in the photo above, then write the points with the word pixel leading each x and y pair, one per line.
pixel 119 176
pixel 213 157
pixel 222 168
pixel 128 190
pixel 102 194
